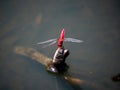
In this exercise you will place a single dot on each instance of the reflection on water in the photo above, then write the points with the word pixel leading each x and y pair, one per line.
pixel 26 22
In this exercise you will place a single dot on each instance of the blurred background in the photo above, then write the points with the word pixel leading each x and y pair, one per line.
pixel 27 22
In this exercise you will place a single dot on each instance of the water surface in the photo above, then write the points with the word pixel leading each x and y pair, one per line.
pixel 26 22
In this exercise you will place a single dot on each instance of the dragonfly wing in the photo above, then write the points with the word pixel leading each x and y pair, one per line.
pixel 73 40
pixel 48 41
pixel 49 44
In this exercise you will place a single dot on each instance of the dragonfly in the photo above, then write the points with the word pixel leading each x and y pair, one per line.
pixel 62 38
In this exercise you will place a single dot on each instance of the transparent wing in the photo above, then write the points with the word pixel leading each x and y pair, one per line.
pixel 53 41
pixel 73 40
pixel 49 44
pixel 48 41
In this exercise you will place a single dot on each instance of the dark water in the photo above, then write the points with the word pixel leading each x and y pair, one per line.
pixel 26 22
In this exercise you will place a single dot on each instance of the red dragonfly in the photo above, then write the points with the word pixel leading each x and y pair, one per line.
pixel 62 38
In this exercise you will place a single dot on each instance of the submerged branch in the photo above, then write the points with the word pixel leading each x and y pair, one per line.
pixel 34 54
